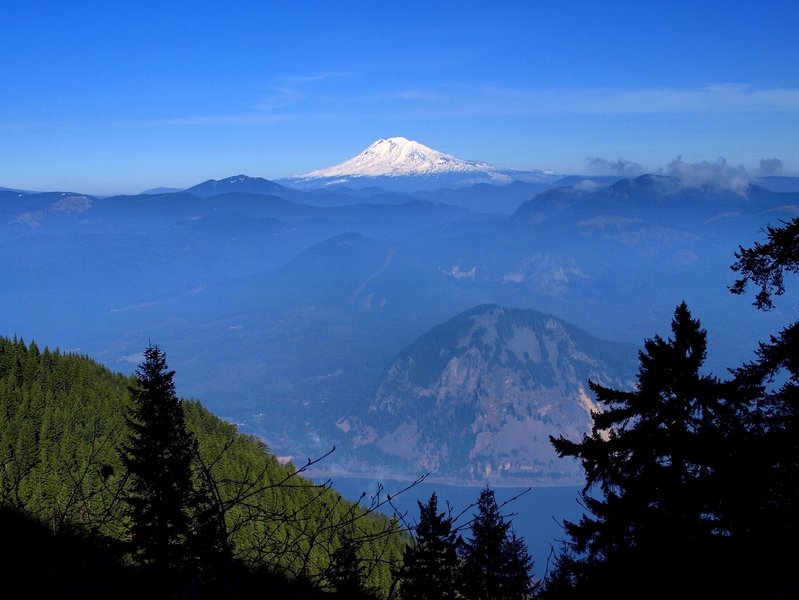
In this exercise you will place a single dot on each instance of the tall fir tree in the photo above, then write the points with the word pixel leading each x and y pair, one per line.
pixel 158 457
pixel 659 463
pixel 346 572
pixel 496 564
pixel 429 568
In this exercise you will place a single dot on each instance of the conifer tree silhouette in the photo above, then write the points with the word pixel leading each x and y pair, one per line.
pixel 657 466
pixel 430 564
pixel 495 562
pixel 158 457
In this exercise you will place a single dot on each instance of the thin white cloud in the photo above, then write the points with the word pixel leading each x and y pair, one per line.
pixel 135 306
pixel 314 77
pixel 480 101
pixel 719 175
pixel 712 98
pixel 319 97
pixel 296 100
pixel 294 89
pixel 412 94
pixel 621 167
pixel 278 98
pixel 248 118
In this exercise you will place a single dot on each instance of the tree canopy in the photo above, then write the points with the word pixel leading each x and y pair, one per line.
pixel 657 462
pixel 430 567
pixel 495 564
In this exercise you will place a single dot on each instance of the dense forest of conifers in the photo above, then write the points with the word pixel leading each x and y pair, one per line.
pixel 111 486
pixel 63 425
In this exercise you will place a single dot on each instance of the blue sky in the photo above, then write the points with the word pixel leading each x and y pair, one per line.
pixel 107 97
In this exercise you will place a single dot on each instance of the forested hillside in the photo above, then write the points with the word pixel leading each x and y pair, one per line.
pixel 63 424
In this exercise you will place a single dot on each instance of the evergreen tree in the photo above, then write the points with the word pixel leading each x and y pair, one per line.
pixel 496 565
pixel 515 573
pixel 430 564
pixel 659 464
pixel 158 458
pixel 770 519
pixel 346 571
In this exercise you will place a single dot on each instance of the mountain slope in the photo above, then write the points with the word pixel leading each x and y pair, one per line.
pixel 237 183
pixel 62 425
pixel 479 395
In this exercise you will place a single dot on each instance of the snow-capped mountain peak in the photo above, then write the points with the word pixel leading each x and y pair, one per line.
pixel 400 157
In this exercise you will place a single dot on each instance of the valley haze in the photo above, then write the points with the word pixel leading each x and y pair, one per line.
pixel 420 312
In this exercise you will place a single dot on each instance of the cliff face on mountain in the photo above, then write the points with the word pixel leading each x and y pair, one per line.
pixel 479 396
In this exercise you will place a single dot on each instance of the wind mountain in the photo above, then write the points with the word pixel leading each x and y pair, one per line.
pixel 477 397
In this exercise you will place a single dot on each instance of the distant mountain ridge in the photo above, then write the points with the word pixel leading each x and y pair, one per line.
pixel 648 195
pixel 237 183
pixel 160 190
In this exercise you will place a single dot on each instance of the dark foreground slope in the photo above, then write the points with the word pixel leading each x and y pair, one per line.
pixel 62 422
